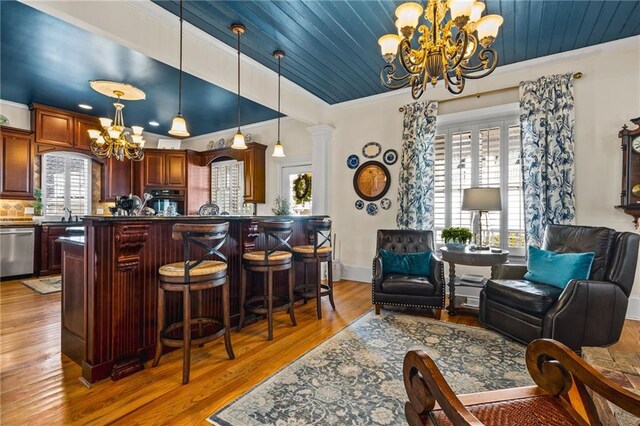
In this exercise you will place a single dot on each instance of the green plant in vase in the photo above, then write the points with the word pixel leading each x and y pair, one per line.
pixel 281 206
pixel 37 204
pixel 456 238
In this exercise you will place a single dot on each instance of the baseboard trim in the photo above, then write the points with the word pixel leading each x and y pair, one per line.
pixel 364 274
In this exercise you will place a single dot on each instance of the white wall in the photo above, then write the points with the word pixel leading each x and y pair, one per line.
pixel 606 97
pixel 18 115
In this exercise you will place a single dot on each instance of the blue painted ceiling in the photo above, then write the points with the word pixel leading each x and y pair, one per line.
pixel 49 61
pixel 332 48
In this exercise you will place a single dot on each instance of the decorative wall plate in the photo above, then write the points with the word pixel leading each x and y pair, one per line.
pixel 385 203
pixel 359 204
pixel 390 156
pixel 372 209
pixel 353 161
pixel 371 150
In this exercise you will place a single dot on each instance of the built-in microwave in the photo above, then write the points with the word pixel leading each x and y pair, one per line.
pixel 167 202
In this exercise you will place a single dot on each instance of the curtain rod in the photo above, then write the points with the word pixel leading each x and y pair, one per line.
pixel 577 76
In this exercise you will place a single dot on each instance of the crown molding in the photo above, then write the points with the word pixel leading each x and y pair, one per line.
pixel 13 104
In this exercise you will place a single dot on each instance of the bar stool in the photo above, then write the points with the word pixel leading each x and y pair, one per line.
pixel 278 258
pixel 194 276
pixel 318 251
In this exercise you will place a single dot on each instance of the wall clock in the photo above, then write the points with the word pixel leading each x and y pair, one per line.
pixel 630 193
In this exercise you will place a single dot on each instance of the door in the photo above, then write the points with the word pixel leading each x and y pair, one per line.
pixel 154 164
pixel 16 159
pixel 289 176
pixel 176 172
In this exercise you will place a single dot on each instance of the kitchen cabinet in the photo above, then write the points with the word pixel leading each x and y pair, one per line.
pixel 117 179
pixel 49 256
pixel 16 159
pixel 81 136
pixel 165 169
pixel 59 129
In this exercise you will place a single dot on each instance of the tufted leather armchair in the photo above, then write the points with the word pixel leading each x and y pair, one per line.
pixel 587 312
pixel 408 290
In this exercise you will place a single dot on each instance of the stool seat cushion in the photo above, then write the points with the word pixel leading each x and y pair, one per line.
pixel 259 255
pixel 207 267
pixel 309 249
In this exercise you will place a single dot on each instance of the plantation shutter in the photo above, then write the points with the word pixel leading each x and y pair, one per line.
pixel 66 183
pixel 439 199
pixel 515 193
pixel 489 173
pixel 227 185
pixel 461 175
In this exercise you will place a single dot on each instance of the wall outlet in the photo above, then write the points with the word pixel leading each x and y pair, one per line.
pixel 99 211
pixel 28 210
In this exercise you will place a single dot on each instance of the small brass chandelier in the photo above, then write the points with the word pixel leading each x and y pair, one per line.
pixel 442 52
pixel 115 140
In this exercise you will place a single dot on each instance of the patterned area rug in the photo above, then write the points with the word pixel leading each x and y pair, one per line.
pixel 355 377
pixel 44 285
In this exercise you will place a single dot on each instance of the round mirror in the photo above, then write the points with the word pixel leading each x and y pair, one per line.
pixel 372 181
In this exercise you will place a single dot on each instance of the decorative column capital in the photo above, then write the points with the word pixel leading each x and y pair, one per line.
pixel 130 238
pixel 321 132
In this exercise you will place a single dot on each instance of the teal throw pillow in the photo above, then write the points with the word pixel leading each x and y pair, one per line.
pixel 406 263
pixel 557 269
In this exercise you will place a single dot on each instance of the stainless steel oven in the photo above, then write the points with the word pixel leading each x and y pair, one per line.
pixel 167 202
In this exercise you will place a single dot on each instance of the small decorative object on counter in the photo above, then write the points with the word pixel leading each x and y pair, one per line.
pixel 456 238
pixel 390 157
pixel 372 209
pixel 385 203
pixel 281 206
pixel 353 161
pixel 359 204
pixel 302 188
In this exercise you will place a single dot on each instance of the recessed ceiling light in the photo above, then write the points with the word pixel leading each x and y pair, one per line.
pixel 85 106
pixel 154 123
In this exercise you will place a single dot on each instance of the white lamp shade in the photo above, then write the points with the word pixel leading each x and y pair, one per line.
pixel 483 199
pixel 408 15
pixel 238 141
pixel 389 44
pixel 105 122
pixel 460 8
pixel 137 130
pixel 93 133
pixel 113 133
pixel 100 140
pixel 137 139
pixel 179 127
pixel 476 11
pixel 278 150
pixel 488 26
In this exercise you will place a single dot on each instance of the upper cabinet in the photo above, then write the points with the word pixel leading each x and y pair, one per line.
pixel 163 168
pixel 59 129
pixel 117 179
pixel 16 160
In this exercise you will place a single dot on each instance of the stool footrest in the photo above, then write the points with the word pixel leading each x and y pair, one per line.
pixel 261 309
pixel 178 342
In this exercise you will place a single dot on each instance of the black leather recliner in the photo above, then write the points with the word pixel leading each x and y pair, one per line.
pixel 408 290
pixel 587 312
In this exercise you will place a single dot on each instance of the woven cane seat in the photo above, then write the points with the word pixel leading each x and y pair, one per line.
pixel 309 249
pixel 259 255
pixel 207 267
pixel 542 410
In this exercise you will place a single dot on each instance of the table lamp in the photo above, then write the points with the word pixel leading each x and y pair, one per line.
pixel 483 200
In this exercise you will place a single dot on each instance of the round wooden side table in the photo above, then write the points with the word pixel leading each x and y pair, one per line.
pixel 471 258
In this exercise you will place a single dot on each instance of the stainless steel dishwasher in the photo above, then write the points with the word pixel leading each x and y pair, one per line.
pixel 16 251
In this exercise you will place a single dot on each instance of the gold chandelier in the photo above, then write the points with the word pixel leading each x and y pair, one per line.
pixel 442 52
pixel 115 140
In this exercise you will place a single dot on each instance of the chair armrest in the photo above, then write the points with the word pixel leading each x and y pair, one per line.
pixel 437 274
pixel 425 386
pixel 508 271
pixel 377 274
pixel 588 313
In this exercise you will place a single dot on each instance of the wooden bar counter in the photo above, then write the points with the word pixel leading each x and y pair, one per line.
pixel 122 256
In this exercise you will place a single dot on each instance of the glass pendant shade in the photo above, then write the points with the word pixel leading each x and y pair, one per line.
pixel 471 48
pixel 100 140
pixel 460 9
pixel 278 150
pixel 105 122
pixel 137 130
pixel 238 141
pixel 137 139
pixel 408 15
pixel 476 11
pixel 179 127
pixel 94 134
pixel 389 46
pixel 487 28
pixel 113 133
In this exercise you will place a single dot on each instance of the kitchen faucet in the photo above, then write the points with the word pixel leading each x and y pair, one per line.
pixel 66 210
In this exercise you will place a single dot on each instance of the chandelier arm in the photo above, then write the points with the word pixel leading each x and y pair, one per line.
pixel 417 87
pixel 454 61
pixel 455 87
pixel 405 57
pixel 387 78
pixel 484 59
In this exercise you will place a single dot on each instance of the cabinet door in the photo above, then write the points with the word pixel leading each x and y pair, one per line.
pixel 53 128
pixel 154 169
pixel 176 172
pixel 81 136
pixel 116 179
pixel 51 255
pixel 249 172
pixel 16 158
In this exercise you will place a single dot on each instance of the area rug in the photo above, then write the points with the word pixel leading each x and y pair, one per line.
pixel 355 377
pixel 44 285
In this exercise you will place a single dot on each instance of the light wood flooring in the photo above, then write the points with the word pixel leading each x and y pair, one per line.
pixel 38 385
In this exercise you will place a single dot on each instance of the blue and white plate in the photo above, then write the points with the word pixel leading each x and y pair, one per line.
pixel 390 157
pixel 359 204
pixel 385 203
pixel 353 161
pixel 371 150
pixel 372 209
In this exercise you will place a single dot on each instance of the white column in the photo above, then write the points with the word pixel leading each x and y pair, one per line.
pixel 321 136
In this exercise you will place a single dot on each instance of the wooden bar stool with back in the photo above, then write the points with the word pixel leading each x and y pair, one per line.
pixel 276 256
pixel 194 275
pixel 318 251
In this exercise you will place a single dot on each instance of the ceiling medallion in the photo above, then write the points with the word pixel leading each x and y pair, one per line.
pixel 115 140
pixel 442 52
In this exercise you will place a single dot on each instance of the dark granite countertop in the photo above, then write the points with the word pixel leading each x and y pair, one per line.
pixel 189 218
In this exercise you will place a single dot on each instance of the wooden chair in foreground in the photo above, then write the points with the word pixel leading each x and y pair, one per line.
pixel 560 397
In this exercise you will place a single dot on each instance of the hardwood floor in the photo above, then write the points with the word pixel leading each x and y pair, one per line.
pixel 39 385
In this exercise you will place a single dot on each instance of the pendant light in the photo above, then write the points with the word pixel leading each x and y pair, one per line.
pixel 238 139
pixel 278 150
pixel 179 125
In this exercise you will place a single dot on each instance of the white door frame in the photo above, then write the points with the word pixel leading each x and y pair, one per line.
pixel 282 163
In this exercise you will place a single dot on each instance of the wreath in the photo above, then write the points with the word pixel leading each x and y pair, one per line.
pixel 302 188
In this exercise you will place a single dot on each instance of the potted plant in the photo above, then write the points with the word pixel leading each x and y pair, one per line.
pixel 37 205
pixel 456 238
pixel 281 206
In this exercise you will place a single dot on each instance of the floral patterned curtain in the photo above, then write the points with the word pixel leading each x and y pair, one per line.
pixel 547 132
pixel 415 183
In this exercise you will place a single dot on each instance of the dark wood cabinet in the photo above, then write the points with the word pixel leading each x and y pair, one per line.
pixel 49 260
pixel 164 169
pixel 117 179
pixel 630 193
pixel 16 159
pixel 72 342
pixel 81 137
pixel 176 169
pixel 53 126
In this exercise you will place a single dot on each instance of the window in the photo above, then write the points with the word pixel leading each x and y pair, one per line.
pixel 66 182
pixel 289 175
pixel 480 153
pixel 227 186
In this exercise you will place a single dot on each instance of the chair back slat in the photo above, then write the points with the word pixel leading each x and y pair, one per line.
pixel 209 237
pixel 277 234
pixel 319 233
